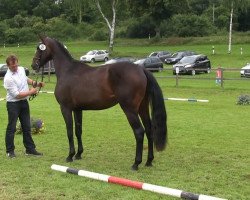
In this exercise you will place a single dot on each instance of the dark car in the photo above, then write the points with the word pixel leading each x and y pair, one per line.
pixel 151 63
pixel 192 65
pixel 161 54
pixel 116 60
pixel 176 57
pixel 4 68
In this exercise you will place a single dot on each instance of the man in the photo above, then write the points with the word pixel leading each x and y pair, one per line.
pixel 16 83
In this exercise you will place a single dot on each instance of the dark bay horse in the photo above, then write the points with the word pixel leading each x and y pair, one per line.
pixel 82 87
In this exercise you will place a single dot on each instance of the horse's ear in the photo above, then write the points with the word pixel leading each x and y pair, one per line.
pixel 42 37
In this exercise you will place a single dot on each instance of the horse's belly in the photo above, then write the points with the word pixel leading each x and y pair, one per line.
pixel 97 104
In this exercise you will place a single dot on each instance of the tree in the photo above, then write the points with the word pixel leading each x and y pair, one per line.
pixel 234 5
pixel 77 7
pixel 111 24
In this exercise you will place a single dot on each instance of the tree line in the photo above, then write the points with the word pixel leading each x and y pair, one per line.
pixel 22 20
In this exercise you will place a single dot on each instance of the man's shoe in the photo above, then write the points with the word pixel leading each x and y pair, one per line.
pixel 33 153
pixel 11 154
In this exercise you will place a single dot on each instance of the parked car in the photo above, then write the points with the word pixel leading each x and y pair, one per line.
pixel 151 63
pixel 4 68
pixel 176 57
pixel 245 71
pixel 161 54
pixel 95 55
pixel 116 60
pixel 193 64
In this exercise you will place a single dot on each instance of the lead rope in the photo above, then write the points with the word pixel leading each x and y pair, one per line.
pixel 34 86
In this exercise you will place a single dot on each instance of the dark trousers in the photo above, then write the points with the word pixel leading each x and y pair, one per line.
pixel 19 109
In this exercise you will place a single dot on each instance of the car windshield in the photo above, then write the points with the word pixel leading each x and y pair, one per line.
pixel 188 59
pixel 153 54
pixel 176 55
pixel 139 61
pixel 91 53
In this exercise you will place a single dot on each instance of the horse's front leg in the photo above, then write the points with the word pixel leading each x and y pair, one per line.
pixel 67 115
pixel 78 132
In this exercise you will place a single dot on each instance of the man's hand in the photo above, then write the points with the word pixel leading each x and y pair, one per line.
pixel 33 91
pixel 40 84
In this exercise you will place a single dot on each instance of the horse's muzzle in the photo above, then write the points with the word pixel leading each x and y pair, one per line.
pixel 35 66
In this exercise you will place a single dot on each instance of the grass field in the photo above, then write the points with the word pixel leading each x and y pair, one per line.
pixel 208 150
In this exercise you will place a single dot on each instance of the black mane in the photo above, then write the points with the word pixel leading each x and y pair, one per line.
pixel 63 49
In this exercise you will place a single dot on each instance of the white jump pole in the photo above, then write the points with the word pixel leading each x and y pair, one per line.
pixel 2 99
pixel 134 184
pixel 191 100
pixel 47 92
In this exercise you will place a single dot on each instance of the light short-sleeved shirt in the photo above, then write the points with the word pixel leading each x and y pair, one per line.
pixel 14 83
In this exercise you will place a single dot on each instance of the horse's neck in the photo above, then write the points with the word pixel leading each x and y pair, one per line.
pixel 61 65
pixel 62 61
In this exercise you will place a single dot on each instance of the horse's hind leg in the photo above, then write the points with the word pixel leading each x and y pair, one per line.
pixel 67 115
pixel 78 132
pixel 135 123
pixel 145 117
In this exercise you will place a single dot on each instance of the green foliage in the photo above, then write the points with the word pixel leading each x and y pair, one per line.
pixel 99 35
pixel 11 35
pixel 188 25
pixel 37 126
pixel 141 28
pixel 22 35
pixel 243 100
pixel 134 19
pixel 60 29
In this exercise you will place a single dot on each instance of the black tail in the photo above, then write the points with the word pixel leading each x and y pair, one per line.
pixel 158 112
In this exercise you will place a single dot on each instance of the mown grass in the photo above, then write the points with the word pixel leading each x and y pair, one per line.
pixel 208 149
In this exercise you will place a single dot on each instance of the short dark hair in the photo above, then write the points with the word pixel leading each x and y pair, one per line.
pixel 11 58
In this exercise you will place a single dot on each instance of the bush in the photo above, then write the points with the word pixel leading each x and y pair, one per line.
pixel 60 29
pixel 99 35
pixel 11 35
pixel 141 28
pixel 243 100
pixel 37 127
pixel 184 25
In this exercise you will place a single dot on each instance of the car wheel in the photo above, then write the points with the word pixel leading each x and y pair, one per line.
pixel 208 71
pixel 106 59
pixel 92 60
pixel 193 72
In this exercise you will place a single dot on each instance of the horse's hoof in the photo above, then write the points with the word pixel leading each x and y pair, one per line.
pixel 148 164
pixel 134 167
pixel 69 159
pixel 78 157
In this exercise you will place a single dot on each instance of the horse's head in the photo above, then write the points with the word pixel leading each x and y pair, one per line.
pixel 42 55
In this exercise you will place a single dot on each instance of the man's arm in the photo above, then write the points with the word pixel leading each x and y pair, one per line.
pixel 26 93
pixel 35 83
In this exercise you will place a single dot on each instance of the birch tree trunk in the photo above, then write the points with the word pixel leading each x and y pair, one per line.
pixel 230 29
pixel 111 26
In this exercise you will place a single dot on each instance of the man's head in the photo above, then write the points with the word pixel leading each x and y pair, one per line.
pixel 12 62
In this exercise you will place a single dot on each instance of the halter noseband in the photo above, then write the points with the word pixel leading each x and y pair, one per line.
pixel 40 47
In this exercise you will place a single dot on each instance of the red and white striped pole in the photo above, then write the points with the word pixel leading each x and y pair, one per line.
pixel 134 184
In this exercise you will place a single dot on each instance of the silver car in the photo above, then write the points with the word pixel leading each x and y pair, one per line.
pixel 245 71
pixel 95 55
